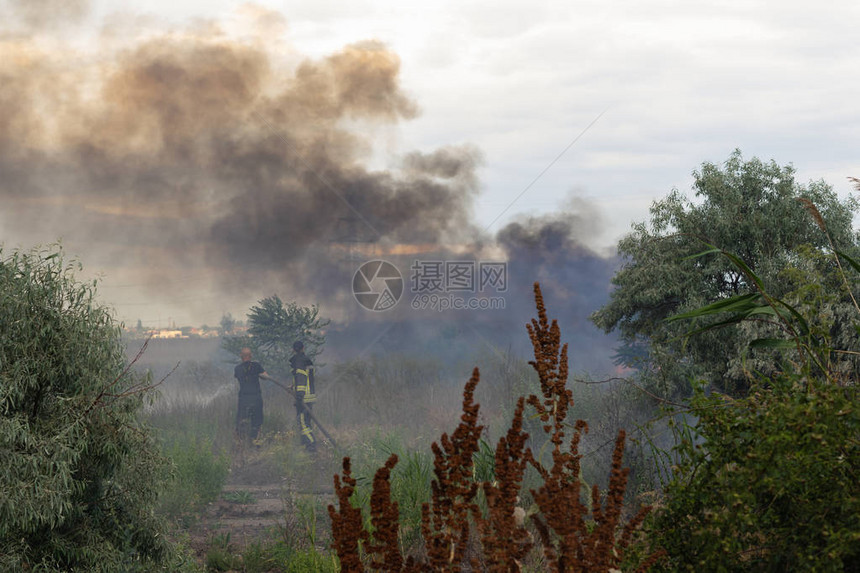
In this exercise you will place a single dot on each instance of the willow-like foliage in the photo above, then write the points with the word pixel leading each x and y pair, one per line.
pixel 79 475
pixel 750 208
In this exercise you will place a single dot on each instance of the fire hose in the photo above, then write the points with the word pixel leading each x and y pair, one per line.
pixel 306 409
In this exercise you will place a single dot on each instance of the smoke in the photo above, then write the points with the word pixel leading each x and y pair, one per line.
pixel 575 280
pixel 45 14
pixel 212 165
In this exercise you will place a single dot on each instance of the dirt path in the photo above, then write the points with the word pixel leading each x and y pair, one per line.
pixel 253 508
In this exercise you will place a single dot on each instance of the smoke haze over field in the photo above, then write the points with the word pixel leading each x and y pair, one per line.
pixel 203 168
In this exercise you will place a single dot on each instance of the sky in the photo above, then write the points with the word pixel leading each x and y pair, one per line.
pixel 678 83
pixel 592 108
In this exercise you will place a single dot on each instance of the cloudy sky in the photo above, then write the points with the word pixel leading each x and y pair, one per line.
pixel 614 103
pixel 680 83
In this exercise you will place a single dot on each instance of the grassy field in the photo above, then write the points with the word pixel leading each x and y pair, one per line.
pixel 265 508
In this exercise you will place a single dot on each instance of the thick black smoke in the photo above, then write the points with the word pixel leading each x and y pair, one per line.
pixel 190 154
pixel 207 169
pixel 574 279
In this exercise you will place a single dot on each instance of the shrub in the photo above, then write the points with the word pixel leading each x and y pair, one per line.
pixel 79 475
pixel 770 482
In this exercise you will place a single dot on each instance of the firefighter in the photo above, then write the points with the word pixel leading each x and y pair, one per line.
pixel 249 414
pixel 303 386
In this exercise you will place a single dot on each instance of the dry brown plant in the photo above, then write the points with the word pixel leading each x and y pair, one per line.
pixel 573 536
pixel 504 538
pixel 445 522
pixel 347 530
pixel 385 519
pixel 572 539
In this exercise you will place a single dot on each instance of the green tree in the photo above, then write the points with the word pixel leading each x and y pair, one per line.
pixel 79 474
pixel 272 329
pixel 228 323
pixel 768 482
pixel 750 208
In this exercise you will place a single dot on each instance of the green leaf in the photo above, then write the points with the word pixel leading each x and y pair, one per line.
pixel 703 253
pixel 745 269
pixel 851 261
pixel 739 263
pixel 740 303
pixel 773 343
pixel 804 326
pixel 729 321
pixel 769 310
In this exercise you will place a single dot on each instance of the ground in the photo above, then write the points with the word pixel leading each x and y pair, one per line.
pixel 258 507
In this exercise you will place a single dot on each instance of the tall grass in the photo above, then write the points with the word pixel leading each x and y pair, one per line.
pixel 375 407
pixel 474 523
pixel 199 473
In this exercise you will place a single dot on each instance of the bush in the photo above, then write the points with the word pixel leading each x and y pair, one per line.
pixel 773 484
pixel 79 474
pixel 770 482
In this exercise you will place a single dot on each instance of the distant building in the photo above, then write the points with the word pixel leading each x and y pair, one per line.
pixel 204 333
pixel 167 334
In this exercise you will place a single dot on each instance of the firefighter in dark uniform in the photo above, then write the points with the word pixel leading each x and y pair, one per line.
pixel 249 414
pixel 303 386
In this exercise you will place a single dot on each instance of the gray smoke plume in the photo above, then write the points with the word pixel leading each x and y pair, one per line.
pixel 36 15
pixel 192 154
pixel 208 169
